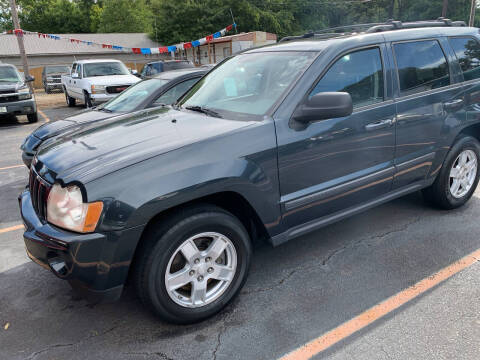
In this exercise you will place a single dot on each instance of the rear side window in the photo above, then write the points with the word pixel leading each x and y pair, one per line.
pixel 359 73
pixel 467 50
pixel 422 66
pixel 177 65
pixel 172 95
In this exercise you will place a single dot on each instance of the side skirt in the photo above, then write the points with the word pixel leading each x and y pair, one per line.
pixel 340 215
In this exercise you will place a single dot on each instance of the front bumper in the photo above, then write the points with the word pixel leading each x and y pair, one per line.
pixel 54 85
pixel 21 107
pixel 95 264
pixel 100 98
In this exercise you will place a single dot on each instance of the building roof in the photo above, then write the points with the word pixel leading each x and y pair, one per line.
pixel 249 36
pixel 38 46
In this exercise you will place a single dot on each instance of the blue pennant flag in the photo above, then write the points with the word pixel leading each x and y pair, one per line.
pixel 195 43
pixel 116 47
pixel 145 51
pixel 217 34
pixel 172 48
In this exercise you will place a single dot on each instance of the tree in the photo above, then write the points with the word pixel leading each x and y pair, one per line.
pixel 121 16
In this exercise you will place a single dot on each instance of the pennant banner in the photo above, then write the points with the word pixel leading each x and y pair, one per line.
pixel 144 51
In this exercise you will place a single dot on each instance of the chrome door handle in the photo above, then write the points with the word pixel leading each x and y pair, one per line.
pixel 379 124
pixel 453 105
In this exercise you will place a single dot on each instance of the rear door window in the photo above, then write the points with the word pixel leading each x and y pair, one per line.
pixel 467 50
pixel 172 94
pixel 360 73
pixel 421 65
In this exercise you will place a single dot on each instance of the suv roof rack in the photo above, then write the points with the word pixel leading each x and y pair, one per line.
pixel 389 25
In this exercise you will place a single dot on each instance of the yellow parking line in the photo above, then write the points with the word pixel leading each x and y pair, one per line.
pixel 11 228
pixel 11 167
pixel 378 311
pixel 43 115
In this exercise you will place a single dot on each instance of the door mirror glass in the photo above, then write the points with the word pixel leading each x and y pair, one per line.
pixel 29 78
pixel 324 105
pixel 75 76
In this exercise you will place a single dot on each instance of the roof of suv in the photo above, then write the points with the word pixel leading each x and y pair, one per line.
pixel 362 38
pixel 87 61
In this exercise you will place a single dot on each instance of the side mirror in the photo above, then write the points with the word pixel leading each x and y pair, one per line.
pixel 75 76
pixel 324 105
pixel 29 78
pixel 134 72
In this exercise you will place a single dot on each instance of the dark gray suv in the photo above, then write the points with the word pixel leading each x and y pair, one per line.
pixel 273 143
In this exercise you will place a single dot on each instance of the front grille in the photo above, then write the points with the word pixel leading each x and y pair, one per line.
pixel 116 89
pixel 55 80
pixel 11 91
pixel 39 190
pixel 6 99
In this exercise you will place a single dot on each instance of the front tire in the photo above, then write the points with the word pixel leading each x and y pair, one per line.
pixel 193 264
pixel 32 118
pixel 87 100
pixel 458 178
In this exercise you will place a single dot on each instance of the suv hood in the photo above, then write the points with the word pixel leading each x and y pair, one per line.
pixel 10 86
pixel 98 149
pixel 113 80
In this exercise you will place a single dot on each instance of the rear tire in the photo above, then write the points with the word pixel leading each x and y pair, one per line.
pixel 70 100
pixel 458 178
pixel 200 293
pixel 32 118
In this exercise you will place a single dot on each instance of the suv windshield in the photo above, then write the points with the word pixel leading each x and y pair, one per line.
pixel 247 85
pixel 9 74
pixel 57 69
pixel 131 98
pixel 104 69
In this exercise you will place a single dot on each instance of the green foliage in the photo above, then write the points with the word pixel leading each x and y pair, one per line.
pixel 173 21
pixel 121 16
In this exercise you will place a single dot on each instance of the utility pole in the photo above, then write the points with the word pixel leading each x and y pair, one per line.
pixel 21 46
pixel 444 8
pixel 472 13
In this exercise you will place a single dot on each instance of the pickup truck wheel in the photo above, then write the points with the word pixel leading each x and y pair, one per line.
pixel 193 264
pixel 70 100
pixel 32 118
pixel 87 100
pixel 458 177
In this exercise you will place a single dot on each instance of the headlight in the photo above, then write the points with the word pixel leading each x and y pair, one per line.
pixel 24 94
pixel 66 209
pixel 98 89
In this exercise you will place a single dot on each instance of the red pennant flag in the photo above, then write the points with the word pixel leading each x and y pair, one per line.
pixel 187 45
pixel 209 38
pixel 40 35
pixel 104 46
pixel 136 50
pixel 163 49
pixel 72 40
pixel 229 27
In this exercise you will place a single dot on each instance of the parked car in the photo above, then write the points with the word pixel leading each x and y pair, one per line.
pixel 156 67
pixel 52 77
pixel 96 81
pixel 163 89
pixel 15 96
pixel 273 143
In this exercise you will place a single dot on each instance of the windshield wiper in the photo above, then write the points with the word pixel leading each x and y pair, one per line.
pixel 105 110
pixel 204 110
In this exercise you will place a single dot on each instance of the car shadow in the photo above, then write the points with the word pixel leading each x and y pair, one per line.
pixel 295 291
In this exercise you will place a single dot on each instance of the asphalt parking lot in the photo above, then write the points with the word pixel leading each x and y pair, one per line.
pixel 295 293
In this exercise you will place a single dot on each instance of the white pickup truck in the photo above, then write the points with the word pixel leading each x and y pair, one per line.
pixel 96 81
